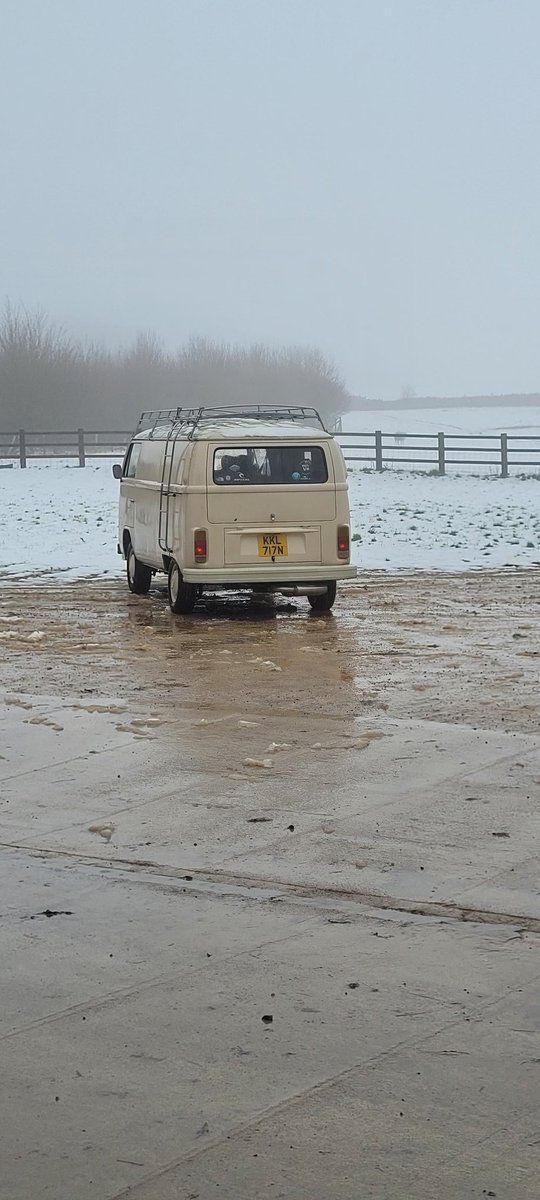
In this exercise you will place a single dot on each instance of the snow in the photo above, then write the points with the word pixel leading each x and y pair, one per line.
pixel 514 421
pixel 62 519
pixel 234 429
pixel 58 517
pixel 450 522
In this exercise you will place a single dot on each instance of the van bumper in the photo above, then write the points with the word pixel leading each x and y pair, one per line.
pixel 243 576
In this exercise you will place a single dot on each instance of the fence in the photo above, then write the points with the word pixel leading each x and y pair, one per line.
pixel 377 450
pixel 80 444
pixel 438 451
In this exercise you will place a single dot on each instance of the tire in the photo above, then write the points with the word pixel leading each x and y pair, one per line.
pixel 182 596
pixel 324 603
pixel 139 577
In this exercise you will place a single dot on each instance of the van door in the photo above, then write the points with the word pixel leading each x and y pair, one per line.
pixel 149 472
pixel 128 490
pixel 273 501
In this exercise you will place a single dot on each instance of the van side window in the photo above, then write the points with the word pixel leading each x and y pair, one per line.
pixel 130 462
pixel 270 465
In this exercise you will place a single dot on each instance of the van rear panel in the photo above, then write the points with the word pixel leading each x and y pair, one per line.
pixel 283 506
pixel 276 504
pixel 284 485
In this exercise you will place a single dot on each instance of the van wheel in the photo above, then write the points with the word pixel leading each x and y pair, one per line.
pixel 182 596
pixel 324 603
pixel 139 577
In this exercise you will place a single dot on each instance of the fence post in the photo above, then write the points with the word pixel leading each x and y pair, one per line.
pixel 442 459
pixel 378 450
pixel 504 455
pixel 82 459
pixel 22 447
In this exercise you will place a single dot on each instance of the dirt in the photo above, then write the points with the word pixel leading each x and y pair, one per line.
pixel 441 647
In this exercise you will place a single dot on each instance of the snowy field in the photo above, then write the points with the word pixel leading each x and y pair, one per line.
pixel 57 517
pixel 513 421
pixel 415 520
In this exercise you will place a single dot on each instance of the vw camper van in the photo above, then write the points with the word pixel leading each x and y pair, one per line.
pixel 241 498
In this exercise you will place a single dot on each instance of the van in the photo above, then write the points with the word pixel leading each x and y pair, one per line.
pixel 241 498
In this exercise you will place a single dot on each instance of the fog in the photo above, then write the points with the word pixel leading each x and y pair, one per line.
pixel 360 176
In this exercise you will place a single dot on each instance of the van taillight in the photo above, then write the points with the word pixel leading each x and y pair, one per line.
pixel 343 541
pixel 199 545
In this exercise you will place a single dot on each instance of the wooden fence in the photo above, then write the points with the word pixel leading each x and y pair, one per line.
pixel 79 444
pixel 438 451
pixel 432 452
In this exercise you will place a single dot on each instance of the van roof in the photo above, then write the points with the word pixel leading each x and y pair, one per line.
pixel 234 431
pixel 207 424
pixel 259 429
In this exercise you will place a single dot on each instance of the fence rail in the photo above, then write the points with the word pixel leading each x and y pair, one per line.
pixel 377 450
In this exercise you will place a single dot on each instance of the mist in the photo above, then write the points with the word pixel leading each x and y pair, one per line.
pixel 48 379
pixel 361 176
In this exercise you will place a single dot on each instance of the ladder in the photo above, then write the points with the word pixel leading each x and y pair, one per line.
pixel 165 491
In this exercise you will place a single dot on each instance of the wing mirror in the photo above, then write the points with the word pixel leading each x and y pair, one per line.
pixel 117 471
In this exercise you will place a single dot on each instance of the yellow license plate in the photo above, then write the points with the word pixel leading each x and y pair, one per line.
pixel 272 545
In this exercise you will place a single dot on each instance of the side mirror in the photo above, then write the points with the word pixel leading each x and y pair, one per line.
pixel 117 471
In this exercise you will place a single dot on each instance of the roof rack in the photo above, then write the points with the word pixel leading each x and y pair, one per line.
pixel 180 421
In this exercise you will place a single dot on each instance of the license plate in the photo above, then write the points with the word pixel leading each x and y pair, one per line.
pixel 272 545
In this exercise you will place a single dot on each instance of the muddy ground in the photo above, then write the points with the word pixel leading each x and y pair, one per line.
pixel 271 910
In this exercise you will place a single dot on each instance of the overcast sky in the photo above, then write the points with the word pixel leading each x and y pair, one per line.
pixel 358 175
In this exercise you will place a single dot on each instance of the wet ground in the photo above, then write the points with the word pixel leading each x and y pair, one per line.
pixel 271 910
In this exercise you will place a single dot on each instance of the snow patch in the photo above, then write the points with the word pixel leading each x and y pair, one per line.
pixel 61 520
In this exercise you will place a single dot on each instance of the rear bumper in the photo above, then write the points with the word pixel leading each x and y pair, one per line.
pixel 243 576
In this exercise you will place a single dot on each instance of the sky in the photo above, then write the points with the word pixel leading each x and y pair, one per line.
pixel 362 176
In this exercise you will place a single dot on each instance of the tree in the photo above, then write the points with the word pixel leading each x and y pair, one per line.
pixel 48 380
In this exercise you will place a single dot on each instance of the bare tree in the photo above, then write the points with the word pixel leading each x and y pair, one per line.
pixel 39 367
pixel 47 380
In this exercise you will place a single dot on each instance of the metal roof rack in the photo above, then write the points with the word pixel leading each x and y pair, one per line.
pixel 184 421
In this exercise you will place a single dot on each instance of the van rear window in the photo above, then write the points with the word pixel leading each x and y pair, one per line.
pixel 270 465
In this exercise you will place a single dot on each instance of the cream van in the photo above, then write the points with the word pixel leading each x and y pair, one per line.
pixel 236 498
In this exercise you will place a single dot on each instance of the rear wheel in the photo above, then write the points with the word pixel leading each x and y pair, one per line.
pixel 182 596
pixel 324 603
pixel 139 576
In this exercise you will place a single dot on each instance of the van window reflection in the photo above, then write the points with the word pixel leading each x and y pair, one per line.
pixel 130 462
pixel 270 465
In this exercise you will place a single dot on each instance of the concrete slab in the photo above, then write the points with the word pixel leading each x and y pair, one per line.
pixel 159 1050
pixel 409 810
pixel 379 1134
pixel 139 959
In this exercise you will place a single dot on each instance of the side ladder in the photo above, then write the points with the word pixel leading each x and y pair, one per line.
pixel 165 493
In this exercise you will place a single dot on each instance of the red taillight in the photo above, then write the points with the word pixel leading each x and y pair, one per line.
pixel 199 545
pixel 343 541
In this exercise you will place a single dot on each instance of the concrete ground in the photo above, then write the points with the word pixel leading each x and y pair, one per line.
pixel 270 906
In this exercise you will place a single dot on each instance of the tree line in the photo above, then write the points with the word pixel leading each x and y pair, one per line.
pixel 50 381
